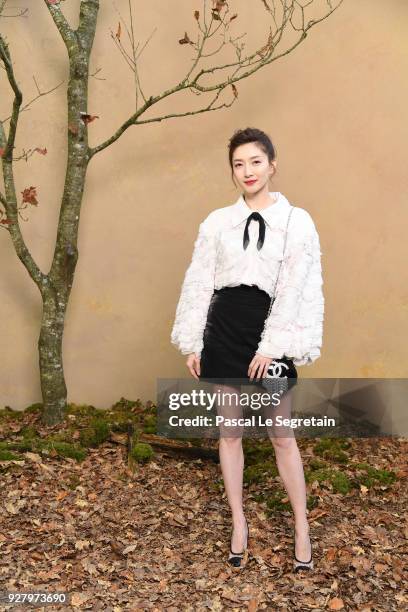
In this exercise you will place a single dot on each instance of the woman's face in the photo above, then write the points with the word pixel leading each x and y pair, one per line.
pixel 251 167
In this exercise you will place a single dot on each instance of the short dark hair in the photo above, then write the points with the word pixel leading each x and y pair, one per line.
pixel 251 135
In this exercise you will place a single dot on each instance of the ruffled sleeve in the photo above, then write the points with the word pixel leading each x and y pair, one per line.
pixel 294 328
pixel 196 292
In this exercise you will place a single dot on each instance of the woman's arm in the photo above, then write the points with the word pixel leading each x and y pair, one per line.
pixel 196 293
pixel 294 326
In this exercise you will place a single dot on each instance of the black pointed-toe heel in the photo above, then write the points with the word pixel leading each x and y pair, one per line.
pixel 301 565
pixel 239 560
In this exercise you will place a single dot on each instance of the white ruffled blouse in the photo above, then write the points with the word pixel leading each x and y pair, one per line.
pixel 294 327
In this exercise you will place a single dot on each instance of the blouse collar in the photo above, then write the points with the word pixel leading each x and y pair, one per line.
pixel 241 210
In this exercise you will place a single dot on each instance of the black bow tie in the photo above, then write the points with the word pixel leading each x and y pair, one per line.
pixel 261 237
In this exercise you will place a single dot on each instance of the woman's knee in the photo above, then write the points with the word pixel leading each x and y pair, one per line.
pixel 280 443
pixel 231 442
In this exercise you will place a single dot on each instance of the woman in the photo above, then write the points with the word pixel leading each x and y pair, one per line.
pixel 223 323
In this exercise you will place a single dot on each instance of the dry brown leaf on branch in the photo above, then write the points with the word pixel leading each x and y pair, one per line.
pixel 88 118
pixel 30 195
pixel 186 40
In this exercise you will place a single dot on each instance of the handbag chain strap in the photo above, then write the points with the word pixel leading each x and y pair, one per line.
pixel 280 265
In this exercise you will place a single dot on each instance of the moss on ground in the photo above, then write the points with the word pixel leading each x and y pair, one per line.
pixel 338 480
pixel 372 476
pixel 260 472
pixel 45 445
pixel 64 449
pixel 7 455
pixel 81 410
pixel 317 464
pixel 29 440
pixel 34 408
pixel 150 425
pixel 7 414
pixel 127 405
pixel 333 449
pixel 274 502
pixel 119 421
pixel 91 425
pixel 95 434
pixel 257 452
pixel 141 452
pixel 217 486
pixel 21 446
pixel 29 432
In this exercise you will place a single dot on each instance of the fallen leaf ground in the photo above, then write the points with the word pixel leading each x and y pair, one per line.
pixel 157 538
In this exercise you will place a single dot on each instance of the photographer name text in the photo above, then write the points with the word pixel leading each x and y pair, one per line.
pixel 255 420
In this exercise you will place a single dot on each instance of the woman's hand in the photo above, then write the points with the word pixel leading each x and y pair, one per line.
pixel 261 364
pixel 193 364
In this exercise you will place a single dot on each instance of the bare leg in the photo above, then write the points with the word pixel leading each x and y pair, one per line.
pixel 232 464
pixel 290 467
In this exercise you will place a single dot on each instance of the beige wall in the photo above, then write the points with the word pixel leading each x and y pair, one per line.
pixel 336 110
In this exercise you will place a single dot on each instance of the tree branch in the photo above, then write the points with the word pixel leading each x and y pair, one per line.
pixel 9 200
pixel 131 60
pixel 67 34
pixel 18 97
pixel 20 14
pixel 196 112
pixel 87 23
pixel 40 93
pixel 252 63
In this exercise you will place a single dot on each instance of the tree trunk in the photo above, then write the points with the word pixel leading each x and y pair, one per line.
pixel 53 387
pixel 55 294
pixel 56 289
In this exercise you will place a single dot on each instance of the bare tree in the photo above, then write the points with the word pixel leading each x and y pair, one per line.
pixel 208 82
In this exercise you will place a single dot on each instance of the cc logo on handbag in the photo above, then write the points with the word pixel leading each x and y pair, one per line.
pixel 275 369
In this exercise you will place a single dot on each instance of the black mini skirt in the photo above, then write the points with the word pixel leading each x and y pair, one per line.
pixel 235 320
